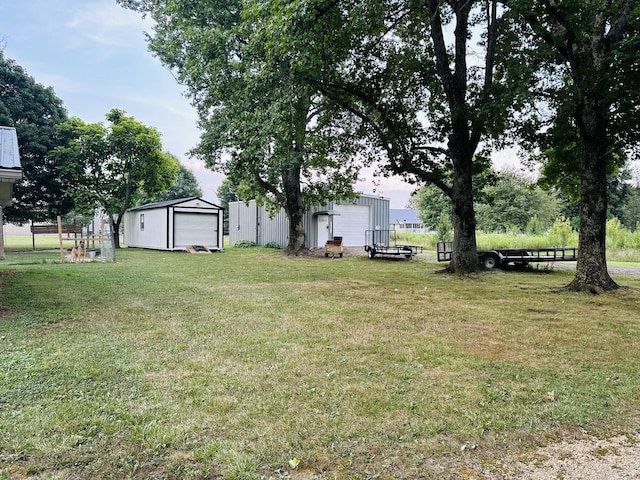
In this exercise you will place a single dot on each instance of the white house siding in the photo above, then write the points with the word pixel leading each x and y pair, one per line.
pixel 175 225
pixel 152 235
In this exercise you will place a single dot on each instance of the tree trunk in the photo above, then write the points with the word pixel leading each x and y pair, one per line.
pixel 293 202
pixel 295 209
pixel 464 253
pixel 115 230
pixel 462 142
pixel 591 270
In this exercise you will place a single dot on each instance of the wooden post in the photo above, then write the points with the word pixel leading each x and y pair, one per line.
pixel 60 239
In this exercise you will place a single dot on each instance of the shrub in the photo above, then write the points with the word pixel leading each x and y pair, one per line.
pixel 444 230
pixel 245 244
pixel 561 233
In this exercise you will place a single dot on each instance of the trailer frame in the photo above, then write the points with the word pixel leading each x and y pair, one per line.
pixel 501 257
pixel 379 242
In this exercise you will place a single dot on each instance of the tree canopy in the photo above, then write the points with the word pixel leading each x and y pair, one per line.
pixel 185 186
pixel 592 54
pixel 262 126
pixel 35 111
pixel 113 165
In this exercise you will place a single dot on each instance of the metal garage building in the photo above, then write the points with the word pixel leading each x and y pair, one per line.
pixel 349 220
pixel 175 225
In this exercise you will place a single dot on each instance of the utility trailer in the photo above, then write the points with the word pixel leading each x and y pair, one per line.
pixel 501 257
pixel 384 242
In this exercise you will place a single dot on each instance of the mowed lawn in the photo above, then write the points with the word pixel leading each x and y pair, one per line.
pixel 249 365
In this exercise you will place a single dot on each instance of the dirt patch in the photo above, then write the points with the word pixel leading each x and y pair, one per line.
pixel 616 458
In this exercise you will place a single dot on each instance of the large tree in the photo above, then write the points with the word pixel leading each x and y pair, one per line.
pixel 594 45
pixel 262 126
pixel 185 186
pixel 35 111
pixel 113 165
pixel 422 77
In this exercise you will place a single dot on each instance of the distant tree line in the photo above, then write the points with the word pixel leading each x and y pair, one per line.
pixel 513 202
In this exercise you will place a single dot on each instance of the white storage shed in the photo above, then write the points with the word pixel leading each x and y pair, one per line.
pixel 348 219
pixel 175 225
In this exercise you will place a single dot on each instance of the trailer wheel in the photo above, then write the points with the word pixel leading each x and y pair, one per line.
pixel 372 253
pixel 490 261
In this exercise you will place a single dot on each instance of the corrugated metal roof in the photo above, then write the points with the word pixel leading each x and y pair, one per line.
pixel 9 154
pixel 171 203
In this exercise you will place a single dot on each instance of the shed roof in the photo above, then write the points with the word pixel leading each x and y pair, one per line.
pixel 172 203
pixel 9 154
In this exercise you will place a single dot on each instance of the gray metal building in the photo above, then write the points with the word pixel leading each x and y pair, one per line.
pixel 349 220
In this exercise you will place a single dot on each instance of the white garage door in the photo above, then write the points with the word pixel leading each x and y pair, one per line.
pixel 195 229
pixel 351 224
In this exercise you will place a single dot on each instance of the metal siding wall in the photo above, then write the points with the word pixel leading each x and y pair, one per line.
pixel 379 211
pixel 243 225
pixel 310 229
pixel 274 229
pixel 242 221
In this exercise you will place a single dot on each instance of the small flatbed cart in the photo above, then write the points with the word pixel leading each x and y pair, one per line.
pixel 501 257
pixel 383 242
pixel 333 247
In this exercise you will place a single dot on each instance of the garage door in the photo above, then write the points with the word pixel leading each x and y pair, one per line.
pixel 195 229
pixel 351 224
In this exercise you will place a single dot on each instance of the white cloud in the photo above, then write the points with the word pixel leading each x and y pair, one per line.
pixel 107 24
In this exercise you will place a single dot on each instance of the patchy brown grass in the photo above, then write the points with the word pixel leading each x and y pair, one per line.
pixel 234 365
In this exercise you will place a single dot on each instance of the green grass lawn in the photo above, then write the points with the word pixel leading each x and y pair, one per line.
pixel 248 365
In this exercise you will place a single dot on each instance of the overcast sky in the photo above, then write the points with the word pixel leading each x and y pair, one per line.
pixel 94 55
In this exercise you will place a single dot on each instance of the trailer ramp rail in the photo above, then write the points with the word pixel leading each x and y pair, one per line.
pixel 500 257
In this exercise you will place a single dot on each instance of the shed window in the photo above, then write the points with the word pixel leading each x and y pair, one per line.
pixel 142 221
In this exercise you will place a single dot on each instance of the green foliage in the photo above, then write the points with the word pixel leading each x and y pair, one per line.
pixel 619 237
pixel 263 126
pixel 444 230
pixel 245 244
pixel 433 206
pixel 35 111
pixel 112 166
pixel 226 193
pixel 185 186
pixel 272 245
pixel 561 233
pixel 511 202
pixel 505 201
pixel 630 209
